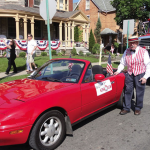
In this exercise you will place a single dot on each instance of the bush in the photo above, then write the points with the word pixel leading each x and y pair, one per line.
pixel 63 52
pixel 81 53
pixel 59 54
pixel 88 54
pixel 43 54
pixel 54 52
pixel 22 54
pixel 74 52
pixel 91 41
pixel 4 54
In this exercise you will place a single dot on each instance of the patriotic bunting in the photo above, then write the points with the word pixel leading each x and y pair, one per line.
pixel 2 45
pixel 22 44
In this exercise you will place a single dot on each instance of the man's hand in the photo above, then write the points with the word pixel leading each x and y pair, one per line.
pixel 116 73
pixel 143 80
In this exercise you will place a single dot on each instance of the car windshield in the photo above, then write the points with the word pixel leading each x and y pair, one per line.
pixel 68 71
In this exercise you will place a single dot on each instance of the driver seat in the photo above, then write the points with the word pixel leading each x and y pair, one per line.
pixel 75 70
pixel 97 69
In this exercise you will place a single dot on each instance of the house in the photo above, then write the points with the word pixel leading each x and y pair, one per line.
pixel 20 17
pixel 94 9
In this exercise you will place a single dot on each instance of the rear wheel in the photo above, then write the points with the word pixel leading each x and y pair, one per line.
pixel 48 132
pixel 120 102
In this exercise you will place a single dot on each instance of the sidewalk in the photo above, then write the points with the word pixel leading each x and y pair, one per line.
pixel 11 74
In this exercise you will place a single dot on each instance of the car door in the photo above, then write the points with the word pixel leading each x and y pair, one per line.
pixel 96 95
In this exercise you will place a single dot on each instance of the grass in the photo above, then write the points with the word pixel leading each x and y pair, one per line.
pixel 6 79
pixel 21 62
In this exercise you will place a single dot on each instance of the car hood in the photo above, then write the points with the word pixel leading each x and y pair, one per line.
pixel 25 89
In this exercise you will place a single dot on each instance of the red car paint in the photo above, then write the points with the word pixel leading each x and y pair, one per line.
pixel 23 101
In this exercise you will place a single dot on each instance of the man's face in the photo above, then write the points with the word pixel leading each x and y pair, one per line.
pixel 29 37
pixel 133 45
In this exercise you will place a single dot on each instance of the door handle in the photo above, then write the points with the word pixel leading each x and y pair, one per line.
pixel 112 82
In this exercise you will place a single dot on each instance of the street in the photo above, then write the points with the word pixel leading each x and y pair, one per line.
pixel 108 130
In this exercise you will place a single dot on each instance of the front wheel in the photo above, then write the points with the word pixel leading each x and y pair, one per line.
pixel 48 132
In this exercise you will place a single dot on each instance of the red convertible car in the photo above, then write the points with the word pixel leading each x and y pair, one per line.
pixel 42 108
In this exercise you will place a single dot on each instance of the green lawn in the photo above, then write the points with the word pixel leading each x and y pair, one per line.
pixel 6 79
pixel 21 62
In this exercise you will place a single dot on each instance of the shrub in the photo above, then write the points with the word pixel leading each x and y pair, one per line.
pixel 59 54
pixel 4 54
pixel 91 41
pixel 54 52
pixel 43 54
pixel 81 53
pixel 22 54
pixel 88 54
pixel 74 52
pixel 63 52
pixel 96 48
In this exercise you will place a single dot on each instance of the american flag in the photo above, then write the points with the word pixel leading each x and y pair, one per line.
pixel 109 68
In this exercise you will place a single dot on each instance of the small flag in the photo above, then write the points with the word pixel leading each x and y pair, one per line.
pixel 109 68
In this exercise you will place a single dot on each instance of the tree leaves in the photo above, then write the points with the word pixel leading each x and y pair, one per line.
pixel 127 9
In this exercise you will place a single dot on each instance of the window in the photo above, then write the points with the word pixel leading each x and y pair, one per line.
pixel 88 75
pixel 66 5
pixel 87 4
pixel 61 4
pixel 26 3
pixel 88 16
pixel 37 30
pixel 37 2
pixel 11 28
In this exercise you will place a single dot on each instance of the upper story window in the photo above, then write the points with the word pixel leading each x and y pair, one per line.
pixel 87 4
pixel 37 2
pixel 61 4
pixel 26 3
pixel 66 4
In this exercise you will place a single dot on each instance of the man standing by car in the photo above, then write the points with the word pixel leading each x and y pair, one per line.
pixel 137 61
pixel 32 45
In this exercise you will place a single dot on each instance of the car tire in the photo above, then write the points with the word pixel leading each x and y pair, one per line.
pixel 120 102
pixel 48 132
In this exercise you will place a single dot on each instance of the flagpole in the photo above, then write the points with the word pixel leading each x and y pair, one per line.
pixel 100 54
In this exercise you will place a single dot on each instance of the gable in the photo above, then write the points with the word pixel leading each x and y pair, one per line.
pixel 80 16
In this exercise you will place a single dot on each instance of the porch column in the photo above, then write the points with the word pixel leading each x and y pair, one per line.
pixel 17 26
pixel 60 33
pixel 87 35
pixel 32 26
pixel 84 34
pixel 64 4
pixel 25 27
pixel 69 42
pixel 66 41
pixel 73 25
pixel 57 4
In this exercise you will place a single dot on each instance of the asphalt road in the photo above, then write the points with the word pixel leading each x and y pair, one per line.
pixel 108 131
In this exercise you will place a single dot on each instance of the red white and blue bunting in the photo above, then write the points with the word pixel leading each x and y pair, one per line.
pixel 41 44
pixel 2 45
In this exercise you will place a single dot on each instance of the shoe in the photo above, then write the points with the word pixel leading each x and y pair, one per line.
pixel 15 72
pixel 137 112
pixel 124 112
pixel 35 68
pixel 7 73
pixel 27 70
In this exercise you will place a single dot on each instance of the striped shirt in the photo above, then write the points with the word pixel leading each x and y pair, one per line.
pixel 137 62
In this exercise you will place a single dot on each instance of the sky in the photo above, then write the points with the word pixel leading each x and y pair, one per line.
pixel 74 1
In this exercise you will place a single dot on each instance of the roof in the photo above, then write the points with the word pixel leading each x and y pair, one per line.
pixel 108 31
pixel 59 14
pixel 103 5
pixel 19 7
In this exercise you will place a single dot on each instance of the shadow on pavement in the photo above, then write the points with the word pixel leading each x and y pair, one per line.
pixel 92 118
pixel 16 147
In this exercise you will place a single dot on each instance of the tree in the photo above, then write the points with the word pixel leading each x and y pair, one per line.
pixel 76 34
pixel 127 9
pixel 91 41
pixel 97 30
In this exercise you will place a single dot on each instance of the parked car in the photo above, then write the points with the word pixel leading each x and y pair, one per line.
pixel 42 108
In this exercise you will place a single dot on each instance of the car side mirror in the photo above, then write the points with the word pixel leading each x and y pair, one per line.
pixel 99 77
